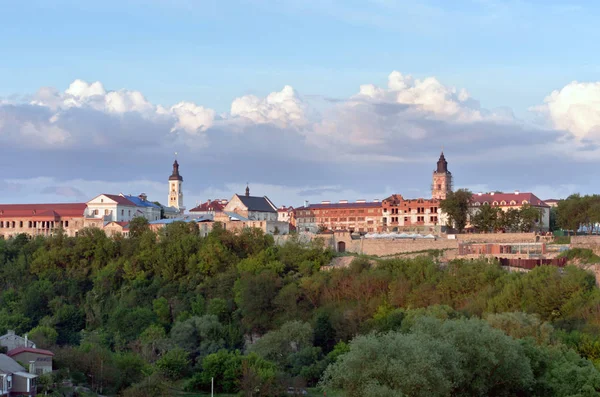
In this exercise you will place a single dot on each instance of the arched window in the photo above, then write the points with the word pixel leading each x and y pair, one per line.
pixel 502 202
pixel 525 202
pixel 513 202
pixel 495 203
pixel 486 203
pixel 477 204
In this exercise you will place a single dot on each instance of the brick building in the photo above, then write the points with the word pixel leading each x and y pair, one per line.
pixel 360 216
pixel 41 219
pixel 400 214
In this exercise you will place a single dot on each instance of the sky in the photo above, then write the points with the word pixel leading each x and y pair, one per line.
pixel 305 100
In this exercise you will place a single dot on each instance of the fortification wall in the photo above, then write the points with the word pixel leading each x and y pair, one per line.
pixel 589 242
pixel 497 238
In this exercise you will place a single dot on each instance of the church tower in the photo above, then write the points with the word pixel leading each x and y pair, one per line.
pixel 442 180
pixel 175 191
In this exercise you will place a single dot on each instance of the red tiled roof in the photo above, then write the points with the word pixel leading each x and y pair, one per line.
pixel 371 204
pixel 285 209
pixel 214 205
pixel 119 199
pixel 69 210
pixel 517 198
pixel 19 350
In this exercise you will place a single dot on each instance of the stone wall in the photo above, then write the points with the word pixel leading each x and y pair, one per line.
pixel 497 238
pixel 589 242
pixel 386 247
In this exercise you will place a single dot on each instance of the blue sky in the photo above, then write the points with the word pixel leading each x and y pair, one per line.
pixel 508 55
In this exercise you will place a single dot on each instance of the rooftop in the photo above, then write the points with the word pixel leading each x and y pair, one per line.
pixel 64 210
pixel 509 199
pixel 19 350
pixel 260 204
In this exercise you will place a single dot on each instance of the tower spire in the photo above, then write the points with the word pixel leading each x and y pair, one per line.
pixel 247 190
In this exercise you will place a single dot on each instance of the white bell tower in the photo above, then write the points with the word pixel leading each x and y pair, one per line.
pixel 175 188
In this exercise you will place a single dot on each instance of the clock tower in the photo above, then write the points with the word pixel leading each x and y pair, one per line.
pixel 175 191
pixel 442 180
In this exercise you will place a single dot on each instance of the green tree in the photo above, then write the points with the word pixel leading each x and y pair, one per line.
pixel 486 218
pixel 530 218
pixel 174 364
pixel 138 226
pixel 43 336
pixel 456 207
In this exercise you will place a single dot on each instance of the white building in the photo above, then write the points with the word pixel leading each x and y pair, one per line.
pixel 516 200
pixel 251 207
pixel 112 208
pixel 284 214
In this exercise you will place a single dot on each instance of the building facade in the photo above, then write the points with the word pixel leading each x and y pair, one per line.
pixel 360 216
pixel 400 214
pixel 112 208
pixel 253 208
pixel 40 358
pixel 41 219
pixel 210 208
pixel 516 200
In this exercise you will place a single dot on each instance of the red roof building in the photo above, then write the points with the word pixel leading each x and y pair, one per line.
pixel 41 219
pixel 209 207
pixel 516 200
pixel 359 216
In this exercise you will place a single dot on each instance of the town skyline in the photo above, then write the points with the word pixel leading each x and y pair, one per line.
pixel 356 107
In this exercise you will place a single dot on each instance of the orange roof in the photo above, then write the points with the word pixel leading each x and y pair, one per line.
pixel 42 211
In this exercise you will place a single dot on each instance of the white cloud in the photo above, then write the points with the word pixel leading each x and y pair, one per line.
pixel 428 96
pixel 192 118
pixel 284 108
pixel 574 108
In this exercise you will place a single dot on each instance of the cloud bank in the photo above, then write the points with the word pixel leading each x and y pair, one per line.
pixel 381 139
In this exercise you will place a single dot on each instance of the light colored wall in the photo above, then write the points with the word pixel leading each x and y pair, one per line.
pixel 42 362
pixel 587 242
pixel 497 238
pixel 12 341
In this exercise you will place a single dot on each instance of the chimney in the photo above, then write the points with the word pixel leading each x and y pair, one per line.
pixel 326 202
pixel 306 204
pixel 516 192
pixel 10 332
pixel 32 367
pixel 26 341
pixel 143 196
pixel 375 200
pixel 343 201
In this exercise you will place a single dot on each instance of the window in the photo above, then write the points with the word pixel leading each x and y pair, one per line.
pixel 122 212
pixel 95 212
pixel 66 223
pixel 406 219
pixel 106 212
pixel 495 203
pixel 502 202
pixel 525 202
pixel 513 202
pixel 9 382
pixel 21 224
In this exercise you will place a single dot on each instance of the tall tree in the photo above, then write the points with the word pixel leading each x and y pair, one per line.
pixel 456 206
pixel 486 218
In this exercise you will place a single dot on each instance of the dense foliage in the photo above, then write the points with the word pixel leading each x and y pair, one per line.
pixel 159 314
pixel 579 212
